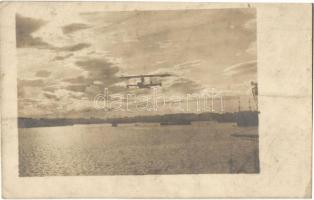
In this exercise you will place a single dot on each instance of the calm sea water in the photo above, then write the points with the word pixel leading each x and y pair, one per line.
pixel 137 149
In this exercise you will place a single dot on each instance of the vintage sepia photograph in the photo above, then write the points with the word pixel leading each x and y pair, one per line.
pixel 137 92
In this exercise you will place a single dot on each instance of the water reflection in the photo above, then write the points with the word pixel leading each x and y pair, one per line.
pixel 137 149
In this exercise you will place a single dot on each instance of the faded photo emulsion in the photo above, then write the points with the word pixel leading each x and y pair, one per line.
pixel 137 92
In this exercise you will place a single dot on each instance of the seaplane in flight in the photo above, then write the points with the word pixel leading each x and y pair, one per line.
pixel 143 80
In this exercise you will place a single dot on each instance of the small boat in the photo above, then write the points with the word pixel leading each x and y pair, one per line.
pixel 175 123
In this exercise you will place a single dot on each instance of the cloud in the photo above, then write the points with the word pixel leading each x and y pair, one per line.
pixel 97 74
pixel 50 89
pixel 184 86
pixel 63 57
pixel 25 26
pixel 240 69
pixel 199 47
pixel 51 96
pixel 75 47
pixel 77 87
pixel 74 27
pixel 30 83
pixel 42 73
pixel 206 35
pixel 76 80
pixel 99 70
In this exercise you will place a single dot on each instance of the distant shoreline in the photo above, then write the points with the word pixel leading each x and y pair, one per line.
pixel 243 118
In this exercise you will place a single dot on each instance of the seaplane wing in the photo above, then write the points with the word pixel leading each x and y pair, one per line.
pixel 148 75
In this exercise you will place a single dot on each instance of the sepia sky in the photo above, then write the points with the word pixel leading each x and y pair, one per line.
pixel 66 58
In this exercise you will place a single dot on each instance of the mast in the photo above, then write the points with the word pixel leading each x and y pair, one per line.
pixel 255 93
pixel 250 108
